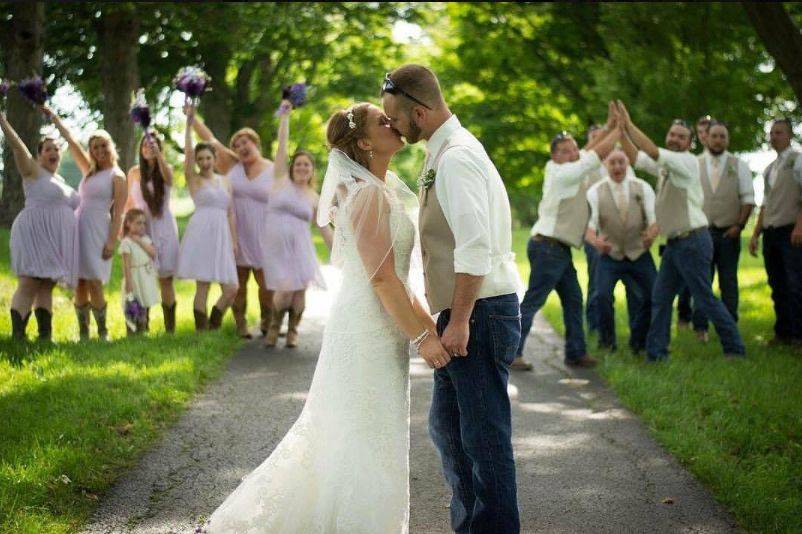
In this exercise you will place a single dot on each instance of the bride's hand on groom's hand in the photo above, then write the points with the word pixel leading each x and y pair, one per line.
pixel 433 352
pixel 455 338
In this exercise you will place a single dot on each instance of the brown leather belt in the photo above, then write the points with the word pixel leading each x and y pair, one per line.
pixel 544 238
pixel 689 233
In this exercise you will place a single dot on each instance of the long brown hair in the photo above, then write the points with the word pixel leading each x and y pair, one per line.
pixel 339 133
pixel 151 173
pixel 313 178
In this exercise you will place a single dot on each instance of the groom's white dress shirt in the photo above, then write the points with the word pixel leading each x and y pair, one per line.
pixel 475 204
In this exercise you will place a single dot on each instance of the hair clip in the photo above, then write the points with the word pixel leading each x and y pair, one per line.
pixel 351 123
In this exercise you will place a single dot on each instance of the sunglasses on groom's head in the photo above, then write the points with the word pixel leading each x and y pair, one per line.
pixel 389 86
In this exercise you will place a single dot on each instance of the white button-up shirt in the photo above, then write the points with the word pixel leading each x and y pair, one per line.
pixel 475 204
pixel 746 188
pixel 684 174
pixel 561 180
pixel 648 197
pixel 778 163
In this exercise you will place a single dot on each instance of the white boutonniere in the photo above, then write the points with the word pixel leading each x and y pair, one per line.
pixel 426 180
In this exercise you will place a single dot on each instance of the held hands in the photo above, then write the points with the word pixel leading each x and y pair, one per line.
pixel 623 115
pixel 189 111
pixel 432 351
pixel 602 245
pixel 733 232
pixel 455 338
pixel 108 250
pixel 613 120
pixel 754 242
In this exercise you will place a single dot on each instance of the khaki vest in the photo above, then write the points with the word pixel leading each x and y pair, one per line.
pixel 782 202
pixel 671 206
pixel 624 235
pixel 573 215
pixel 437 246
pixel 723 208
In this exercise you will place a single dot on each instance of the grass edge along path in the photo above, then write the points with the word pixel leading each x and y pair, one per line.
pixel 736 425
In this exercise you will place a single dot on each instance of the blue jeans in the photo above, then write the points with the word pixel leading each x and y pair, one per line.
pixel 592 306
pixel 687 261
pixel 638 277
pixel 726 252
pixel 684 309
pixel 784 269
pixel 470 422
pixel 553 269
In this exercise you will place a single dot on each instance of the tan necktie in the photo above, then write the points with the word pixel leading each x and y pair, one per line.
pixel 715 175
pixel 621 201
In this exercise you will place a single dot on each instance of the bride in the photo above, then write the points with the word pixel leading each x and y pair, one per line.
pixel 344 465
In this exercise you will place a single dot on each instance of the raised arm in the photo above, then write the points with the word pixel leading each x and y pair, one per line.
pixel 638 138
pixel 189 153
pixel 629 148
pixel 281 170
pixel 226 158
pixel 132 180
pixel 26 163
pixel 80 155
pixel 164 167
pixel 370 218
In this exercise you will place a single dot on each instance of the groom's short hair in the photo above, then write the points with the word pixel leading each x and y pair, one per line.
pixel 421 82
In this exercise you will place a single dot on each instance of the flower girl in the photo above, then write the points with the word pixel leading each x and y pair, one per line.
pixel 141 282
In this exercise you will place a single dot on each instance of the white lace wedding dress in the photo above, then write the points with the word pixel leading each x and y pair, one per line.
pixel 344 466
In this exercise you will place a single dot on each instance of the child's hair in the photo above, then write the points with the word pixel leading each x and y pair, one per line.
pixel 205 146
pixel 130 216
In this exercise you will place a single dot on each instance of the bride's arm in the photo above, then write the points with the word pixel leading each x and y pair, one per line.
pixel 370 220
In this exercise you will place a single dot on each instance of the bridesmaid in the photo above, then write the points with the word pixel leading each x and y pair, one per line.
pixel 289 261
pixel 44 236
pixel 251 176
pixel 103 194
pixel 209 245
pixel 149 186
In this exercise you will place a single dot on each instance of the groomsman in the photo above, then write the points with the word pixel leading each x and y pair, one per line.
pixel 684 310
pixel 591 254
pixel 622 228
pixel 780 222
pixel 689 251
pixel 729 198
pixel 563 216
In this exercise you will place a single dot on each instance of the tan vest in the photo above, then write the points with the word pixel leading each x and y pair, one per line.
pixel 573 215
pixel 782 202
pixel 671 206
pixel 722 207
pixel 437 246
pixel 624 235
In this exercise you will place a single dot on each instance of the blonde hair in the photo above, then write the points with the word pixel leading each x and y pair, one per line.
pixel 339 133
pixel 101 134
pixel 250 133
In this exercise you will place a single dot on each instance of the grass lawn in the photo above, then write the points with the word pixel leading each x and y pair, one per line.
pixel 736 425
pixel 74 415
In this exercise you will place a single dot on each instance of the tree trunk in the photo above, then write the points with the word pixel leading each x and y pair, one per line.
pixel 216 105
pixel 22 48
pixel 781 37
pixel 118 51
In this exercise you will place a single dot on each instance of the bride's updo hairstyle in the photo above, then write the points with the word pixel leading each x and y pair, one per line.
pixel 346 127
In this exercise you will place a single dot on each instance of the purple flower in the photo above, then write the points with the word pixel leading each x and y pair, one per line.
pixel 295 93
pixel 134 312
pixel 140 112
pixel 34 89
pixel 192 81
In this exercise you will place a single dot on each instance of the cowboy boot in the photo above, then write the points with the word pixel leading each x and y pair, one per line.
pixel 271 338
pixel 201 323
pixel 239 310
pixel 18 324
pixel 100 320
pixel 215 318
pixel 169 317
pixel 82 313
pixel 44 319
pixel 292 328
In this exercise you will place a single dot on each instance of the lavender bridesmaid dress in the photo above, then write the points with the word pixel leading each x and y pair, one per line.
pixel 207 253
pixel 289 259
pixel 44 236
pixel 163 230
pixel 94 217
pixel 250 207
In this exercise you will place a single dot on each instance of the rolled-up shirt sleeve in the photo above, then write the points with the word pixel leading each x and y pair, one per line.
pixel 571 173
pixel 463 196
pixel 646 163
pixel 746 186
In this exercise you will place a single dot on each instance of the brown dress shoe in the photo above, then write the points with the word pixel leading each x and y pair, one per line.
pixel 519 364
pixel 586 361
pixel 702 335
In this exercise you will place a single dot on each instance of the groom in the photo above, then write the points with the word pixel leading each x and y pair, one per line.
pixel 471 281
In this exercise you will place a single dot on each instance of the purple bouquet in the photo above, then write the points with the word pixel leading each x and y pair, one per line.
pixel 5 85
pixel 140 112
pixel 34 89
pixel 134 312
pixel 296 94
pixel 193 82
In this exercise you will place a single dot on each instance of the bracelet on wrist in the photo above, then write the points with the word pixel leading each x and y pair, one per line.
pixel 418 341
